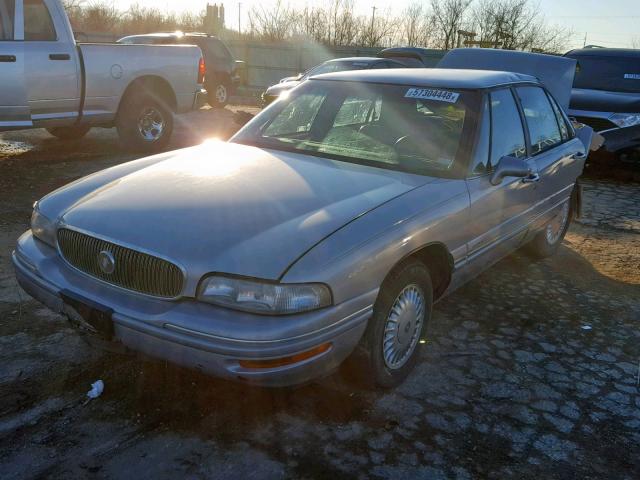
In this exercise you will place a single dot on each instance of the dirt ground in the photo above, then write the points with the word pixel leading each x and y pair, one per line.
pixel 530 371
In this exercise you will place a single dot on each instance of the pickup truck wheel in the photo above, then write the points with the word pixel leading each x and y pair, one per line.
pixel 402 309
pixel 218 95
pixel 144 123
pixel 546 242
pixel 69 133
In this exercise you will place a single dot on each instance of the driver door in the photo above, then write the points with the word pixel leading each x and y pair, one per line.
pixel 499 214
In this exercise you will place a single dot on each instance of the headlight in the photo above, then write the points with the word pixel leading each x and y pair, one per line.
pixel 263 297
pixel 43 228
pixel 625 119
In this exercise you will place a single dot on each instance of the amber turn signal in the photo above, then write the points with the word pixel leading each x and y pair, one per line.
pixel 280 362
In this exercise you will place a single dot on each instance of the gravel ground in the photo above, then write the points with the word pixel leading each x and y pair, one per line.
pixel 530 371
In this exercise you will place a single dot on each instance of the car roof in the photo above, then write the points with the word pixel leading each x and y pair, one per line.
pixel 431 77
pixel 355 59
pixel 604 52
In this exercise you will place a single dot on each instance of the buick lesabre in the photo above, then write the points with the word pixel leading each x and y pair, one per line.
pixel 331 221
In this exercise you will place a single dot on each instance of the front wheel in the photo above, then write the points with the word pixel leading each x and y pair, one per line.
pixel 401 311
pixel 69 133
pixel 547 242
pixel 144 123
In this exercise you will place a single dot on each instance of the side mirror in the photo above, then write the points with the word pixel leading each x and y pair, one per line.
pixel 509 167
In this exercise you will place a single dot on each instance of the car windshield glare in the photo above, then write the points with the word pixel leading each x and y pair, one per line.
pixel 412 129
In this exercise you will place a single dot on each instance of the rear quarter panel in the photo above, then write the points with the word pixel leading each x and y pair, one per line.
pixel 110 69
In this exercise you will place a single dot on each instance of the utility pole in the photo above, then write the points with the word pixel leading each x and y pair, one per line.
pixel 585 40
pixel 239 6
pixel 373 17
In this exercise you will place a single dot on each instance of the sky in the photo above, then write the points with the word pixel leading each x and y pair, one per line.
pixel 609 23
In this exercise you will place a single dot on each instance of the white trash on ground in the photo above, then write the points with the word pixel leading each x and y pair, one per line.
pixel 96 389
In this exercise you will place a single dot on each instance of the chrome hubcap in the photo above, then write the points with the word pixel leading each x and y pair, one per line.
pixel 403 326
pixel 557 224
pixel 151 124
pixel 221 93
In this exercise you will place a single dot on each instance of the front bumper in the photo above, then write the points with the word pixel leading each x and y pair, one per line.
pixel 615 138
pixel 198 335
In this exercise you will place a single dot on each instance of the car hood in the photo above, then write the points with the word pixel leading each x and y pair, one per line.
pixel 231 208
pixel 604 101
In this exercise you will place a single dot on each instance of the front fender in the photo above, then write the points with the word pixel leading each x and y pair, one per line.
pixel 358 257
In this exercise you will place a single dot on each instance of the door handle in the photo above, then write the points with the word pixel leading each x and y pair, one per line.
pixel 579 156
pixel 59 56
pixel 531 178
pixel 7 58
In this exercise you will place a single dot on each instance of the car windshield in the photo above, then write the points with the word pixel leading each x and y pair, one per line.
pixel 412 129
pixel 614 74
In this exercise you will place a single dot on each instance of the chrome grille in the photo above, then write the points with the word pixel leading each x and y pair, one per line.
pixel 133 270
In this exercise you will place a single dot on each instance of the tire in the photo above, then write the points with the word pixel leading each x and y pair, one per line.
pixel 69 133
pixel 547 242
pixel 409 281
pixel 218 94
pixel 144 122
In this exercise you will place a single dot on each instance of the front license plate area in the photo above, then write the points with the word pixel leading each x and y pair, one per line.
pixel 89 314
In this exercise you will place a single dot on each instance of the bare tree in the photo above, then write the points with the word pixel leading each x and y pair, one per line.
pixel 516 25
pixel 273 23
pixel 376 31
pixel 449 17
pixel 416 26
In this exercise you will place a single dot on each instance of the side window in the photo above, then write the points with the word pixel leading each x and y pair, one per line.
pixel 481 156
pixel 541 119
pixel 219 50
pixel 507 135
pixel 38 25
pixel 7 9
pixel 565 132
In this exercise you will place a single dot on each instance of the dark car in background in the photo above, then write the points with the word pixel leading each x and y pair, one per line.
pixel 330 66
pixel 606 95
pixel 221 78
pixel 414 57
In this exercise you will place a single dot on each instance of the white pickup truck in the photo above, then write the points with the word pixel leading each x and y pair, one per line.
pixel 47 80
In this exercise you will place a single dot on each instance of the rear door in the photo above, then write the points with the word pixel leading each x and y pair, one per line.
pixel 52 70
pixel 14 108
pixel 499 214
pixel 557 154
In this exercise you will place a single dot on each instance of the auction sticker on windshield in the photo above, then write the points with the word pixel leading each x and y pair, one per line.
pixel 431 94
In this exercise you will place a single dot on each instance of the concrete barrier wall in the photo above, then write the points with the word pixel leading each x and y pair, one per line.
pixel 267 63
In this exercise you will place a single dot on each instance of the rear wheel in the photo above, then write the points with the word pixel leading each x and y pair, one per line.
pixel 144 123
pixel 401 311
pixel 69 133
pixel 546 242
pixel 218 93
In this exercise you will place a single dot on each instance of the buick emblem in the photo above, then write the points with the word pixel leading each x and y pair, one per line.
pixel 106 262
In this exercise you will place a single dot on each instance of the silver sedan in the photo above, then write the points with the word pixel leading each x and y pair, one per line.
pixel 334 219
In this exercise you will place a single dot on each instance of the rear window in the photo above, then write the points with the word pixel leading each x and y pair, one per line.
pixel 615 74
